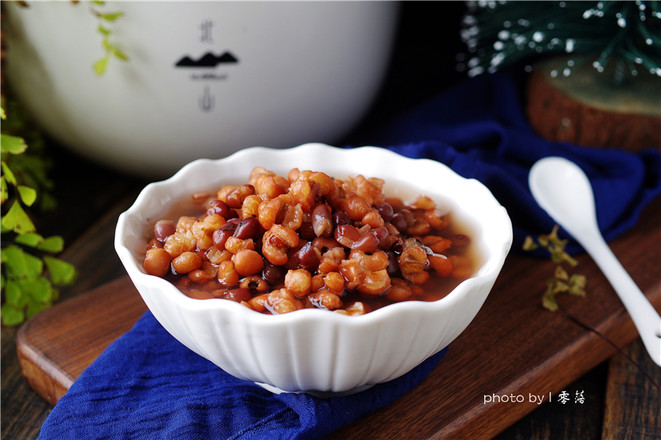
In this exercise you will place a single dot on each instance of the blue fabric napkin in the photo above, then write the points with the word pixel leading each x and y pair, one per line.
pixel 148 386
pixel 479 130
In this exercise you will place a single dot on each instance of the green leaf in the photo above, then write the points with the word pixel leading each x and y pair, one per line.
pixel 577 284
pixel 19 264
pixel 3 115
pixel 549 302
pixel 110 16
pixel 31 239
pixel 52 244
pixel 13 259
pixel 34 266
pixel 17 220
pixel 98 2
pixel 4 192
pixel 39 289
pixel 28 195
pixel 8 174
pixel 101 65
pixel 62 273
pixel 12 144
pixel 529 244
pixel 103 31
pixel 561 274
pixel 14 295
pixel 119 54
pixel 11 315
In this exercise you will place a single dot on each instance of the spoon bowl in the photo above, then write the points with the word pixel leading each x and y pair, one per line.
pixel 563 190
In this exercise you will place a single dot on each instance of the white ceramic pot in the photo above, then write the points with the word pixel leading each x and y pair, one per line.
pixel 264 73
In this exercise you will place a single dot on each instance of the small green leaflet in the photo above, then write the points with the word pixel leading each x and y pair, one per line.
pixel 11 315
pixel 17 220
pixel 20 264
pixel 103 31
pixel 31 239
pixel 52 244
pixel 4 191
pixel 39 289
pixel 14 295
pixel 110 16
pixel 8 174
pixel 12 144
pixel 28 195
pixel 101 65
pixel 61 272
pixel 561 282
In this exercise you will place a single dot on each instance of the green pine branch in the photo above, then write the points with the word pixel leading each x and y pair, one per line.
pixel 622 37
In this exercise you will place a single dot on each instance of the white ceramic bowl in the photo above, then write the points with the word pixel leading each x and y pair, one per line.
pixel 311 349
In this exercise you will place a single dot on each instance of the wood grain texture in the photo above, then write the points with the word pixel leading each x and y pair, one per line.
pixel 560 114
pixel 513 347
pixel 55 346
pixel 569 421
pixel 633 401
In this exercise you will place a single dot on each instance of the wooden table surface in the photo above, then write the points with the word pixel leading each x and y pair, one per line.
pixel 620 401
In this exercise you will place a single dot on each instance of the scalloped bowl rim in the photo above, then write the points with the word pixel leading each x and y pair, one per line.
pixel 486 273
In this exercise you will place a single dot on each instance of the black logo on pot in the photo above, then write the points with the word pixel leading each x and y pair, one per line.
pixel 207 60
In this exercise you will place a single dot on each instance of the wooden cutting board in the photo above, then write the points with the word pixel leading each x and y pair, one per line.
pixel 513 348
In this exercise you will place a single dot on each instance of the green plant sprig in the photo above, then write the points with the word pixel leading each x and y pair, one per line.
pixel 105 19
pixel 562 281
pixel 29 268
pixel 110 49
pixel 624 35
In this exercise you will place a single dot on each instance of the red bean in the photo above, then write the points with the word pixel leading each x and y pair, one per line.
pixel 321 221
pixel 386 210
pixel 346 235
pixel 399 222
pixel 240 294
pixel 307 231
pixel 273 275
pixel 341 218
pixel 308 257
pixel 219 207
pixel 221 235
pixel 393 264
pixel 163 229
pixel 247 228
pixel 380 233
pixel 366 243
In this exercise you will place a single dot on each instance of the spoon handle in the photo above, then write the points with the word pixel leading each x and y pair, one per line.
pixel 643 314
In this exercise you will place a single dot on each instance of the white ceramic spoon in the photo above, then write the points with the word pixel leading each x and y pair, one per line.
pixel 563 190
